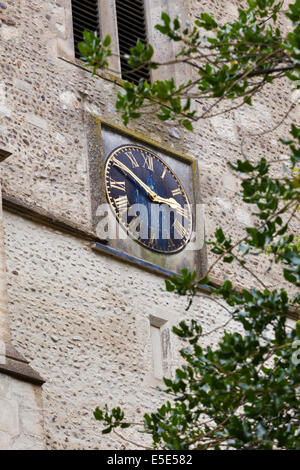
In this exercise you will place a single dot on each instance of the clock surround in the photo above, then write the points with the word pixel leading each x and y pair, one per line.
pixel 102 138
pixel 136 178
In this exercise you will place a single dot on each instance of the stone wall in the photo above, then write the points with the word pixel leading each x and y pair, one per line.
pixel 84 321
pixel 4 321
pixel 21 414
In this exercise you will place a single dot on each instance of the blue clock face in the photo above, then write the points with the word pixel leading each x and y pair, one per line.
pixel 148 199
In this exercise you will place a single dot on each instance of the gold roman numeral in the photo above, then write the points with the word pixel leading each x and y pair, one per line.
pixel 176 192
pixel 132 159
pixel 117 184
pixel 134 225
pixel 153 238
pixel 164 173
pixel 115 161
pixel 182 211
pixel 148 161
pixel 179 228
pixel 121 203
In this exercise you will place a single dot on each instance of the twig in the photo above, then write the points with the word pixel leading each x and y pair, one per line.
pixel 249 271
pixel 131 442
pixel 220 326
pixel 272 129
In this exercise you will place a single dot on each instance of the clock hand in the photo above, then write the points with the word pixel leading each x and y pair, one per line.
pixel 172 203
pixel 124 168
pixel 153 196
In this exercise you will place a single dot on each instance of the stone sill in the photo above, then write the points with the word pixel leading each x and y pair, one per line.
pixel 18 367
pixel 102 74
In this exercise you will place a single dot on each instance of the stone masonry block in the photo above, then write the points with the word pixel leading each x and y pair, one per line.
pixel 31 421
pixel 9 416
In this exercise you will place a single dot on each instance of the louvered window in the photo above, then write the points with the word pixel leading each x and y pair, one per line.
pixel 85 16
pixel 131 27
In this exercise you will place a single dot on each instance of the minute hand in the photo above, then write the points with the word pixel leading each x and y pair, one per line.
pixel 172 203
pixel 153 196
pixel 123 167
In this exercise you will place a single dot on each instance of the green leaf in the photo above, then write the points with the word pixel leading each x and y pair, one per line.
pixel 98 414
pixel 107 41
pixel 169 286
pixel 107 430
pixel 220 235
pixel 165 17
pixel 188 125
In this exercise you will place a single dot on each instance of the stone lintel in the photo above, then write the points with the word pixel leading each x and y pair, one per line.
pixel 18 367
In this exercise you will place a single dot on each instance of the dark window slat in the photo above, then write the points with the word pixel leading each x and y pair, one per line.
pixel 123 13
pixel 130 10
pixel 138 28
pixel 87 6
pixel 132 33
pixel 85 18
pixel 131 39
pixel 83 11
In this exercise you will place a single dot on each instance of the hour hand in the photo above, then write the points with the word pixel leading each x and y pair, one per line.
pixel 125 169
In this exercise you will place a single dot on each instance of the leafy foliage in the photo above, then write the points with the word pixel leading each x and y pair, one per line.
pixel 93 51
pixel 244 392
pixel 234 61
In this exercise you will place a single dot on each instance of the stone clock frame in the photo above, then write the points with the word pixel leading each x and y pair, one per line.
pixel 102 138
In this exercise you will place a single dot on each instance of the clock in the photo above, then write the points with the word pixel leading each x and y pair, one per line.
pixel 148 199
